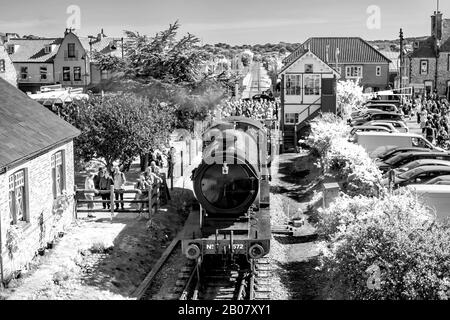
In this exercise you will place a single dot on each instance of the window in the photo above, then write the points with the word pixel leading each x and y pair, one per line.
pixel 291 118
pixel 24 73
pixel 66 73
pixel 312 85
pixel 71 50
pixel 378 71
pixel 11 49
pixel 339 70
pixel 43 71
pixel 104 74
pixel 17 197
pixel 423 66
pixel 58 179
pixel 309 68
pixel 2 66
pixel 293 85
pixel 77 73
pixel 47 49
pixel 353 72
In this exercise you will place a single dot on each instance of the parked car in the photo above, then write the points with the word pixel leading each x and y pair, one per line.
pixel 366 129
pixel 419 175
pixel 436 197
pixel 404 158
pixel 260 97
pixel 400 126
pixel 375 101
pixel 362 113
pixel 386 125
pixel 420 163
pixel 441 180
pixel 375 143
pixel 383 107
pixel 397 150
pixel 376 116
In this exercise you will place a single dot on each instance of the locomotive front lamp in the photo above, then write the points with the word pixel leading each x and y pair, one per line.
pixel 225 168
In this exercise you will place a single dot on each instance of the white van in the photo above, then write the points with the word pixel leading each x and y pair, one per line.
pixel 437 197
pixel 377 142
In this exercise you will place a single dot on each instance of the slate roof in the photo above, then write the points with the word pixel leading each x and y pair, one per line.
pixel 351 50
pixel 26 127
pixel 394 57
pixel 102 46
pixel 425 50
pixel 33 50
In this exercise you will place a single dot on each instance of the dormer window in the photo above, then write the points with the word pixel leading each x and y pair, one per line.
pixel 11 49
pixel 48 49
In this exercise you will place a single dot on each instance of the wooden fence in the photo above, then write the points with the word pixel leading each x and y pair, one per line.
pixel 147 205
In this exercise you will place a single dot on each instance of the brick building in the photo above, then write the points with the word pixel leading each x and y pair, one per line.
pixel 353 58
pixel 428 65
pixel 36 166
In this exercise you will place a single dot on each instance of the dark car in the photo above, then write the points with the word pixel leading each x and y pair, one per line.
pixel 404 158
pixel 259 97
pixel 442 180
pixel 363 113
pixel 394 102
pixel 397 150
pixel 419 175
pixel 377 116
pixel 420 163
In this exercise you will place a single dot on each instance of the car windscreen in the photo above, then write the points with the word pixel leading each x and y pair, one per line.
pixel 409 174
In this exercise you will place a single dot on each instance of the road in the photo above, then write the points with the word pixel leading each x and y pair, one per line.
pixel 256 80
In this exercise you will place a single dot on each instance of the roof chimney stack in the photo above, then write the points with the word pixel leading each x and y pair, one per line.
pixel 436 25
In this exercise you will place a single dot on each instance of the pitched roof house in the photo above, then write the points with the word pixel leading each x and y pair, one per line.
pixel 352 57
pixel 36 166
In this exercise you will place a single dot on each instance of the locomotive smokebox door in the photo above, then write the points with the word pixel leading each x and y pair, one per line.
pixel 225 168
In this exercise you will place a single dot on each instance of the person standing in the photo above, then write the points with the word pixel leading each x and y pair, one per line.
pixel 105 184
pixel 429 131
pixel 142 185
pixel 171 162
pixel 119 185
pixel 90 191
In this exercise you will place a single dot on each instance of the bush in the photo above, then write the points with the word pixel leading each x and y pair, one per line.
pixel 324 129
pixel 387 248
pixel 350 163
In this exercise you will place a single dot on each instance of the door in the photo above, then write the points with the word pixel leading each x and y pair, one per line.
pixel 328 95
pixel 428 86
pixel 448 90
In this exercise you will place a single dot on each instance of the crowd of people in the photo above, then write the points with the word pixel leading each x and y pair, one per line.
pixel 256 109
pixel 433 115
pixel 99 184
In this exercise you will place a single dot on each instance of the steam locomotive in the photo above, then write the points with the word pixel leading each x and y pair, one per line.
pixel 232 187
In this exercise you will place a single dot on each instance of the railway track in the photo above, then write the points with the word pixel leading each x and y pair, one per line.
pixel 222 284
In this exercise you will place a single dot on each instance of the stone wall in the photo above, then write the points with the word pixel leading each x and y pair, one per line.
pixel 9 74
pixel 40 199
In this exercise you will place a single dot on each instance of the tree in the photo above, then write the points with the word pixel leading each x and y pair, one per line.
pixel 168 69
pixel 120 127
pixel 349 97
pixel 246 59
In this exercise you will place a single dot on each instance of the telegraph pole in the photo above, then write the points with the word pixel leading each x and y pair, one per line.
pixel 401 62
